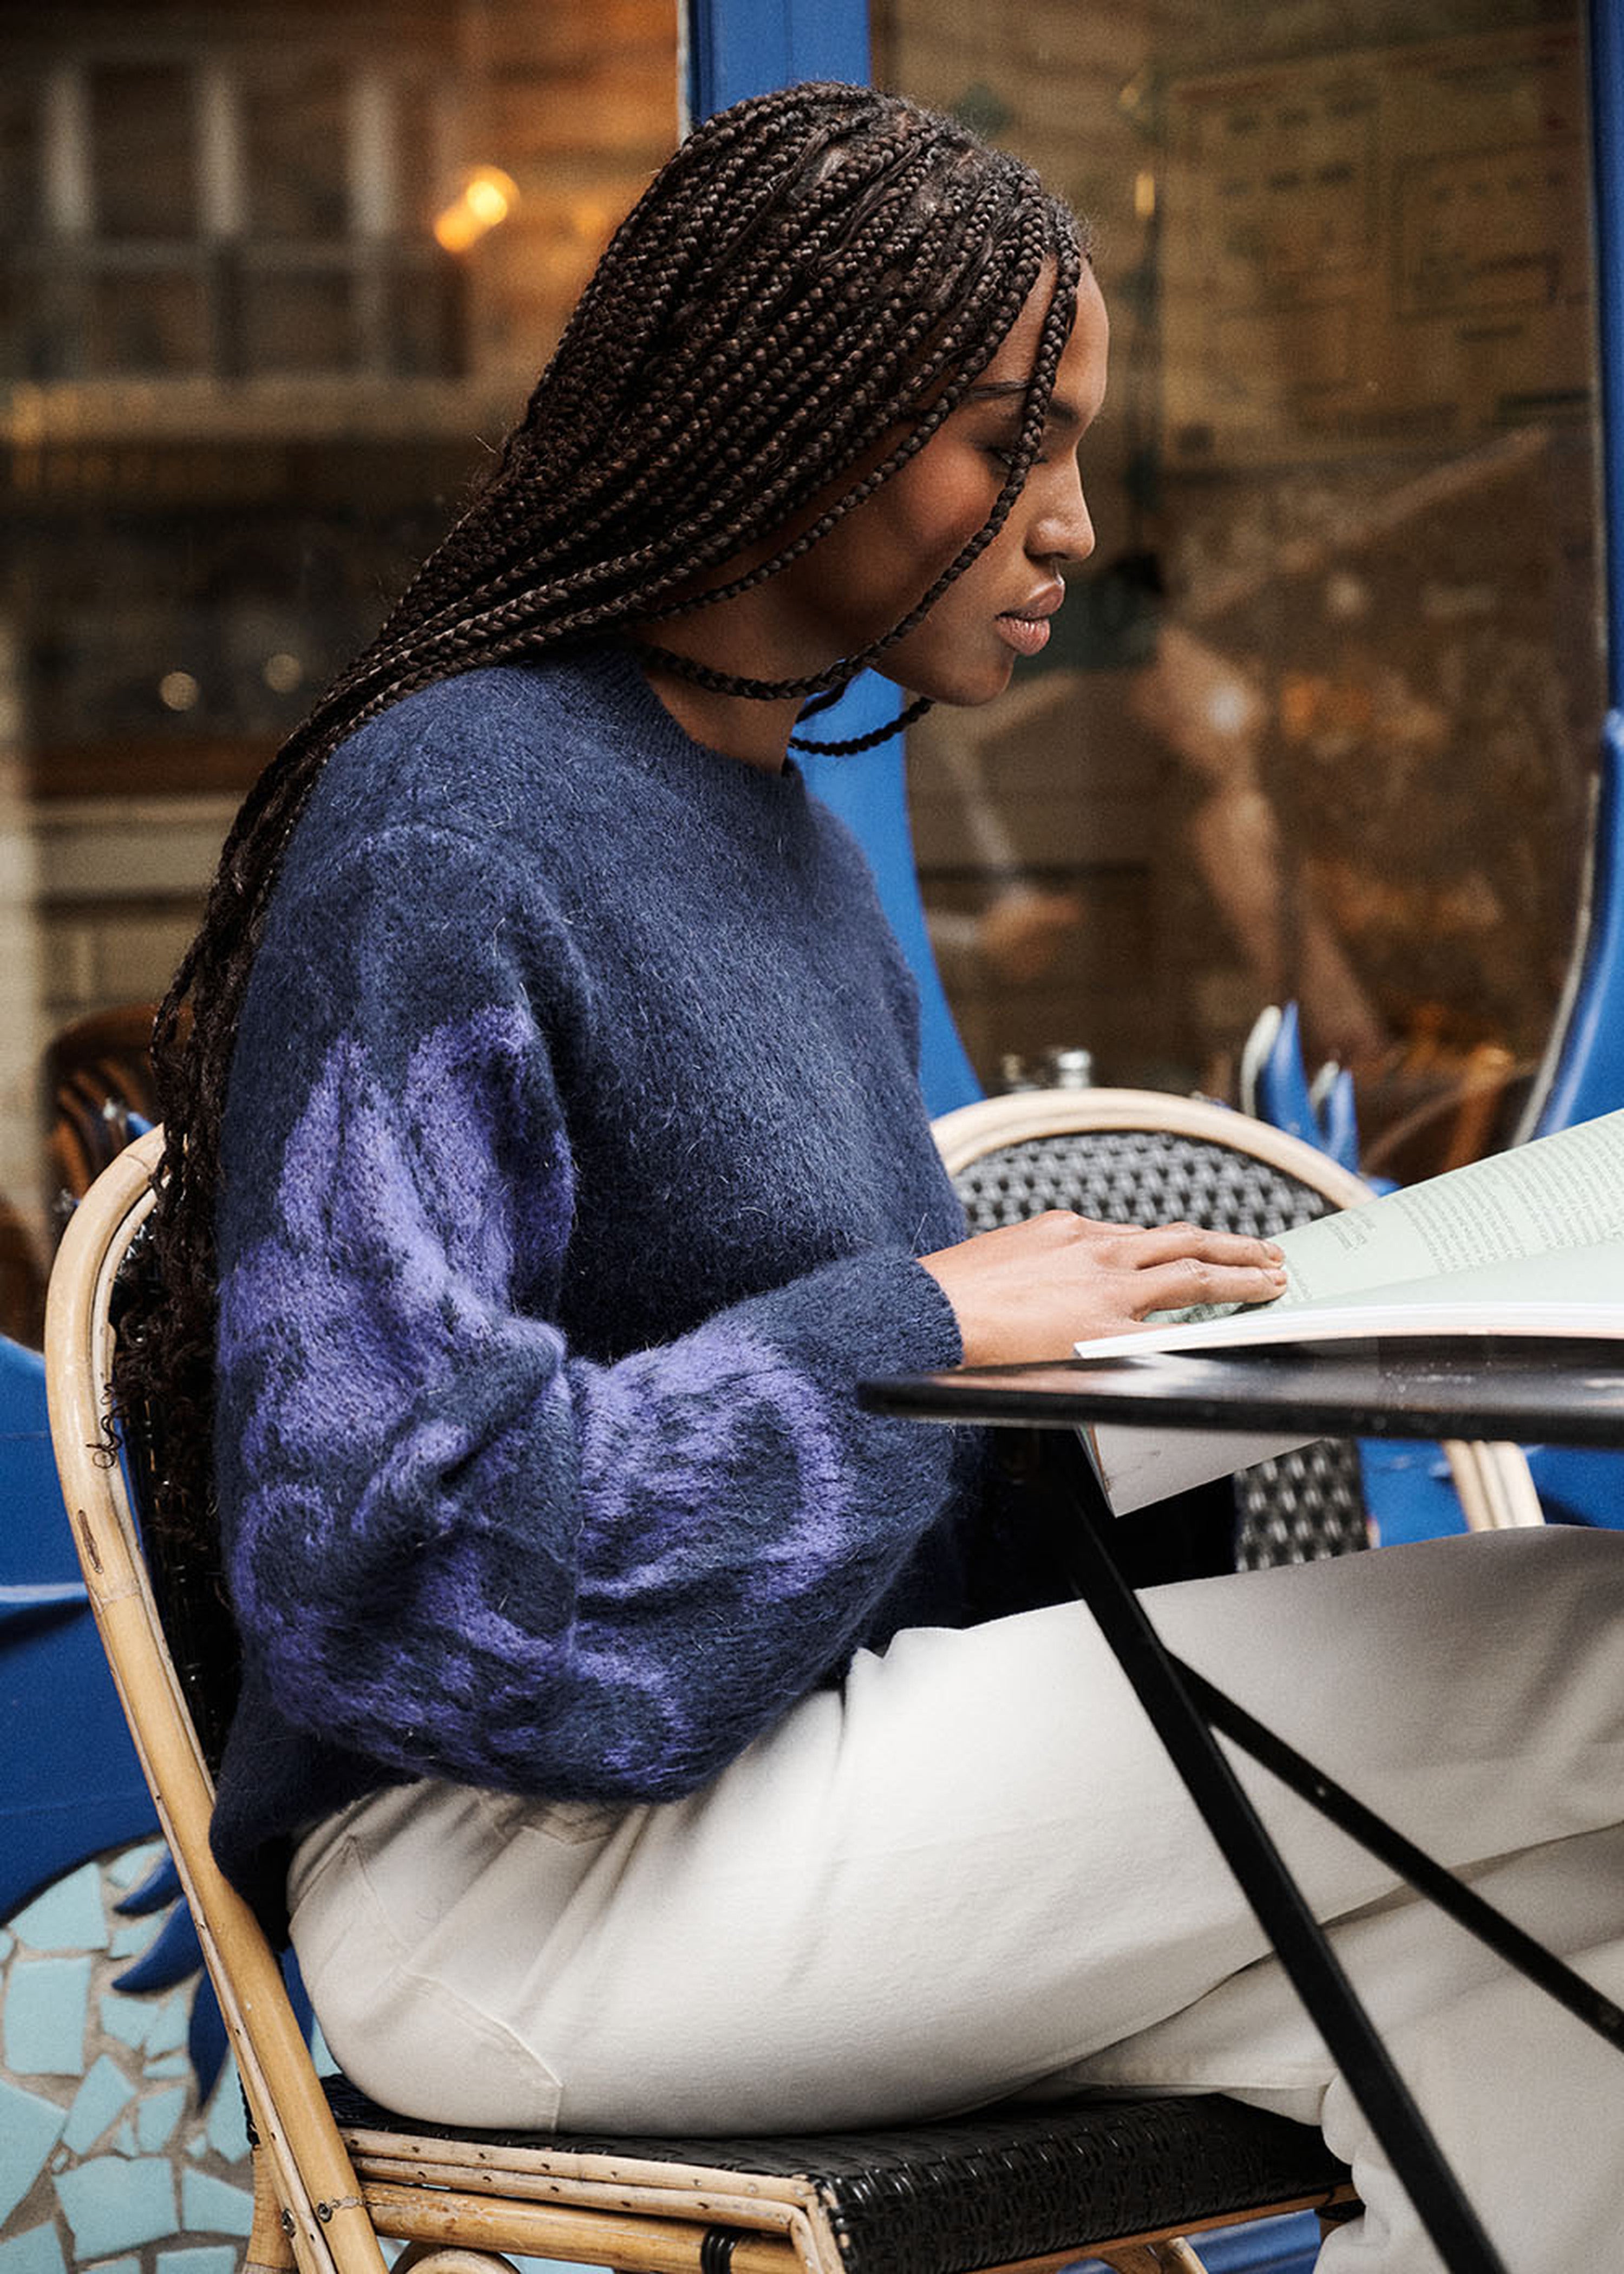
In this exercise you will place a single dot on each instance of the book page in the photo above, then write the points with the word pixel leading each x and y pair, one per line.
pixel 1561 1192
pixel 1539 1228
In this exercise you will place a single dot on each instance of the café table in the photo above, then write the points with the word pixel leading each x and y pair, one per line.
pixel 1544 1390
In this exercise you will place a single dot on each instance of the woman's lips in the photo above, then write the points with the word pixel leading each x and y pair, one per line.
pixel 1026 630
pixel 1027 634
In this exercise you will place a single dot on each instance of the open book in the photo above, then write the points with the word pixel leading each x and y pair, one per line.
pixel 1527 1242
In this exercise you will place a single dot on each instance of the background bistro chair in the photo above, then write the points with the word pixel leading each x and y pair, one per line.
pixel 99 1092
pixel 1021 2186
pixel 1140 1157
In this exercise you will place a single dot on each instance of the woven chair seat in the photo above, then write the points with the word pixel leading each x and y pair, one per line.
pixel 983 2190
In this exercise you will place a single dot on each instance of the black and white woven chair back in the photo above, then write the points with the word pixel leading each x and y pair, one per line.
pixel 1291 1509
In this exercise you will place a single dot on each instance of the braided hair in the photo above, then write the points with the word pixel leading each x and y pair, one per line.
pixel 804 292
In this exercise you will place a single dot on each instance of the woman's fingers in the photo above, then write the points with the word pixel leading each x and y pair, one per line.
pixel 1174 1266
pixel 1187 1280
pixel 1031 1290
pixel 1142 1246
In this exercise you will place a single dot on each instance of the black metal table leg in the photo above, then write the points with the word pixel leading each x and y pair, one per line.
pixel 1297 1936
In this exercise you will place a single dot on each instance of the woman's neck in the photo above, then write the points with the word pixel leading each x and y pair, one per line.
pixel 758 733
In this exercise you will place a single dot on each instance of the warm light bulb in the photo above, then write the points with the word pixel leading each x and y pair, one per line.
pixel 179 691
pixel 487 196
pixel 485 200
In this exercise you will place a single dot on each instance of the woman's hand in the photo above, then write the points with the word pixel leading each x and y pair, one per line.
pixel 1031 1290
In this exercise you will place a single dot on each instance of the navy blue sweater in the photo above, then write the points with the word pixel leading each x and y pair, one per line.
pixel 575 1167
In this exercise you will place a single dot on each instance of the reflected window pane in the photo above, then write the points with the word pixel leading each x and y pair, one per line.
pixel 1318 720
pixel 300 321
pixel 149 320
pixel 296 138
pixel 20 155
pixel 143 137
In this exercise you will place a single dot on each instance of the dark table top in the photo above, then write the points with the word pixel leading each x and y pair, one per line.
pixel 1533 1389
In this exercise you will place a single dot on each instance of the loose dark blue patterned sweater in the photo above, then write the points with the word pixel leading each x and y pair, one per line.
pixel 574 1170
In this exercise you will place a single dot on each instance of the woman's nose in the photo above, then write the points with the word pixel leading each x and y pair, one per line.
pixel 1062 529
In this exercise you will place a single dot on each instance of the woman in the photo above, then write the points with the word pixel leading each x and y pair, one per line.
pixel 659 1742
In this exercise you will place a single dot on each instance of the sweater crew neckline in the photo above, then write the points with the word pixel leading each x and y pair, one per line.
pixel 609 682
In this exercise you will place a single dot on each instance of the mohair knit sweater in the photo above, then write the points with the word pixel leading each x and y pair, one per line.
pixel 575 1167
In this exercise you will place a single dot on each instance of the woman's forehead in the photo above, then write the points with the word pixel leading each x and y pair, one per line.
pixel 1011 367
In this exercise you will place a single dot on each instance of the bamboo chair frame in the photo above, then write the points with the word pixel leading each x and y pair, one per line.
pixel 327 2191
pixel 1491 1482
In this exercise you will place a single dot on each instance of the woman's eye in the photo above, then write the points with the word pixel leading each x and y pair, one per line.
pixel 1008 456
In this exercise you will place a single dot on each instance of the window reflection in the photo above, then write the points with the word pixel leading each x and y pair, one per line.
pixel 242 387
pixel 1318 721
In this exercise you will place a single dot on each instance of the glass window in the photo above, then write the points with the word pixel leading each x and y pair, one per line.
pixel 143 147
pixel 295 147
pixel 1318 718
pixel 272 278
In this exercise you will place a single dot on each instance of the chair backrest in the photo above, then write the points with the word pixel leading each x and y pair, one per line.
pixel 1141 1156
pixel 99 1092
pixel 314 2180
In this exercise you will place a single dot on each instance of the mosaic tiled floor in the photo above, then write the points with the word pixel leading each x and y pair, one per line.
pixel 106 2159
pixel 108 2162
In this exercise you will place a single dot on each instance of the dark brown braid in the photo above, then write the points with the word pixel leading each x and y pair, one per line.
pixel 807 289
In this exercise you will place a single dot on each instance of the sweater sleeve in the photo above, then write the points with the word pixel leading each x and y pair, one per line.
pixel 454 1545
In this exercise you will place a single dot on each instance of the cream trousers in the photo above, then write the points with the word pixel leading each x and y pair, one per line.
pixel 970 1872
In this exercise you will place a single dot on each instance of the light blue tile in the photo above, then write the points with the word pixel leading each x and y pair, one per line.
pixel 30 2128
pixel 67 1916
pixel 128 1870
pixel 227 2125
pixel 125 2140
pixel 8 1944
pixel 171 2065
pixel 37 2252
pixel 44 2021
pixel 118 2203
pixel 128 2019
pixel 214 2206
pixel 167 2028
pixel 131 1937
pixel 156 2118
pixel 206 2258
pixel 103 2094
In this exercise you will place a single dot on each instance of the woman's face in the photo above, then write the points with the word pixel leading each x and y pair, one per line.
pixel 876 563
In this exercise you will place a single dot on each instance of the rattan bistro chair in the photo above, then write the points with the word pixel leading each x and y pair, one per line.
pixel 1021 2186
pixel 1141 1156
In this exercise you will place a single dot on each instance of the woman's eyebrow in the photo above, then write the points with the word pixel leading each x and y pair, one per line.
pixel 1061 412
